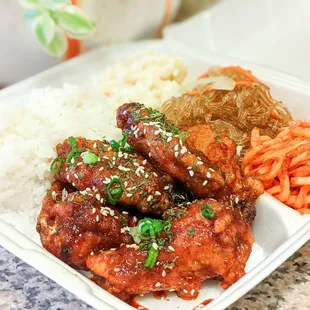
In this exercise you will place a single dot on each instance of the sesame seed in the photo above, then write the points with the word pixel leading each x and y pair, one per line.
pixel 95 145
pixel 97 218
pixel 129 195
pixel 191 173
pixel 155 174
pixel 189 168
pixel 193 292
pixel 156 132
pixel 150 154
pixel 172 290
pixel 168 134
pixel 157 284
pixel 212 170
pixel 117 269
pixel 98 197
pixel 125 183
pixel 92 253
pixel 238 150
pixel 163 274
pixel 72 160
pixel 169 139
pixel 199 162
pixel 171 248
pixel 236 200
pixel 79 164
pixel 149 198
pixel 93 210
pixel 205 182
pixel 144 162
pixel 158 193
pixel 166 187
pixel 208 175
pixel 176 147
pixel 176 154
pixel 73 183
pixel 185 291
pixel 183 150
pixel 155 246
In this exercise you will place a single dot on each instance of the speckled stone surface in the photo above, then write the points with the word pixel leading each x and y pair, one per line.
pixel 287 288
pixel 22 287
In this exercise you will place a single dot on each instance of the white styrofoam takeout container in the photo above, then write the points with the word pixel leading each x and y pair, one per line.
pixel 278 230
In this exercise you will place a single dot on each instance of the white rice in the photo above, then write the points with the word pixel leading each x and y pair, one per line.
pixel 31 126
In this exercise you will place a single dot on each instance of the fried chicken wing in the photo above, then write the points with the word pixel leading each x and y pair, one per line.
pixel 164 144
pixel 200 248
pixel 141 184
pixel 73 226
pixel 221 150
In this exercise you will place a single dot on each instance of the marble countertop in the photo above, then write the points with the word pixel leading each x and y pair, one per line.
pixel 23 287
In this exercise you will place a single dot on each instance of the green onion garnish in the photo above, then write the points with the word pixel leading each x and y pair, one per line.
pixel 146 234
pixel 207 211
pixel 90 158
pixel 116 192
pixel 56 165
pixel 114 145
pixel 120 146
pixel 74 152
pixel 151 258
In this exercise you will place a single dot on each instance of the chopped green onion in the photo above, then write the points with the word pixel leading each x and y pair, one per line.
pixel 191 232
pixel 147 231
pixel 74 152
pixel 90 158
pixel 207 211
pixel 115 193
pixel 114 145
pixel 72 141
pixel 120 146
pixel 151 258
pixel 56 165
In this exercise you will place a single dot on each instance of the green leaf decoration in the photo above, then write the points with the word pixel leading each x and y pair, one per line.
pixel 31 4
pixel 44 29
pixel 58 4
pixel 59 44
pixel 74 21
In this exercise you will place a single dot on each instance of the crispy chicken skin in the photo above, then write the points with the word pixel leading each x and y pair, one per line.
pixel 143 185
pixel 163 143
pixel 72 225
pixel 201 248
pixel 221 150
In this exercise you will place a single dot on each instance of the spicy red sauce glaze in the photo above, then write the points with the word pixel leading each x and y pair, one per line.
pixel 160 295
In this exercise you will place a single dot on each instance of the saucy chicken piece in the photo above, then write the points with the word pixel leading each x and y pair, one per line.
pixel 208 239
pixel 73 226
pixel 239 190
pixel 119 176
pixel 164 144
